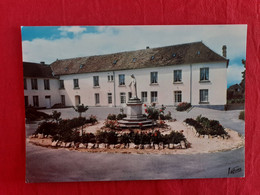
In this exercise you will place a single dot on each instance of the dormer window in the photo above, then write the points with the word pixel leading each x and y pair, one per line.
pixel 115 61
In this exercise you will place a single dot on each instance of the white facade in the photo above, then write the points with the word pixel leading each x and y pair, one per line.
pixel 47 96
pixel 209 92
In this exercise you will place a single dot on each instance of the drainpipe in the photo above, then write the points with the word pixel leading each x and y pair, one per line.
pixel 190 83
pixel 114 88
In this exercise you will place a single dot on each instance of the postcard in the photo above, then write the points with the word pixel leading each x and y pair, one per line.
pixel 110 103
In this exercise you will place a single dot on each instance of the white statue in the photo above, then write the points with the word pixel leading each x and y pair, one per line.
pixel 132 85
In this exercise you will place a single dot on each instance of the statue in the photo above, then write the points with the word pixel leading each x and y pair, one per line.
pixel 132 85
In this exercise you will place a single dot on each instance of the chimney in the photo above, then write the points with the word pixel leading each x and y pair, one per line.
pixel 224 51
pixel 42 62
pixel 147 47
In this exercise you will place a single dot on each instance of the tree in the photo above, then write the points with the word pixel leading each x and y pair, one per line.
pixel 56 116
pixel 80 109
pixel 242 83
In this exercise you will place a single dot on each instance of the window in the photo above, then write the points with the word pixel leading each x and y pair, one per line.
pixel 204 74
pixel 95 81
pixel 97 101
pixel 154 96
pixel 35 101
pixel 154 77
pixel 46 84
pixel 121 79
pixel 26 102
pixel 177 75
pixel 110 78
pixel 34 84
pixel 24 83
pixel 177 96
pixel 122 98
pixel 144 96
pixel 129 95
pixel 204 95
pixel 62 84
pixel 76 83
pixel 63 102
pixel 109 98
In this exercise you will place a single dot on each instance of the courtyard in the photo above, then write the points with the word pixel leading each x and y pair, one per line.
pixel 66 165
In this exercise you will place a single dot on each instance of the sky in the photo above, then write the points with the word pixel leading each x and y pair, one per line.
pixel 48 43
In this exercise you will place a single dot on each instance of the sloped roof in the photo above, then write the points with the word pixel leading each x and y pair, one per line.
pixel 31 69
pixel 187 53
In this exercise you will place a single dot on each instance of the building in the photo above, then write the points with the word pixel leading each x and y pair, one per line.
pixel 41 88
pixel 169 75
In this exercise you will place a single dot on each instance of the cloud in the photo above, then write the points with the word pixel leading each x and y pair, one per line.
pixel 71 29
pixel 110 39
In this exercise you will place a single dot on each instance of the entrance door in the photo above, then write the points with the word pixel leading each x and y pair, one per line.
pixel 48 101
pixel 77 100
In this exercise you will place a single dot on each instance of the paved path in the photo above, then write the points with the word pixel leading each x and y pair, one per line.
pixel 53 165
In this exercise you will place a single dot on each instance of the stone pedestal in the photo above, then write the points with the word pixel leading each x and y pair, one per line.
pixel 135 117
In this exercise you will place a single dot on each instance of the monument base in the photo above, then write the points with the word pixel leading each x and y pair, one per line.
pixel 135 117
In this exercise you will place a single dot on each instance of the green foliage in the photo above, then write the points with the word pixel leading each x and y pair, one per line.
pixel 154 113
pixel 80 109
pixel 120 116
pixel 112 124
pixel 242 115
pixel 125 138
pixel 204 126
pixel 111 117
pixel 47 128
pixel 56 116
pixel 183 106
pixel 112 137
pixel 88 138
pixel 32 114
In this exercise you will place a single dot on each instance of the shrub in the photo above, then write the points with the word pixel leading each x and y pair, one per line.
pixel 168 116
pixel 120 116
pixel 111 117
pixel 47 128
pixel 175 137
pixel 154 113
pixel 32 114
pixel 183 106
pixel 111 137
pixel 242 115
pixel 204 126
pixel 156 137
pixel 125 138
pixel 113 124
pixel 88 138
pixel 101 137
pixel 92 119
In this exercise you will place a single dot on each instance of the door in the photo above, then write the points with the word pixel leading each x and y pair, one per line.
pixel 48 101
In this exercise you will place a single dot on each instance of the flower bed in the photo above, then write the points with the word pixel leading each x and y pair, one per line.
pixel 183 106
pixel 204 126
pixel 113 139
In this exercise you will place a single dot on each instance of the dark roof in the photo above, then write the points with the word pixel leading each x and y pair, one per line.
pixel 31 69
pixel 187 53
